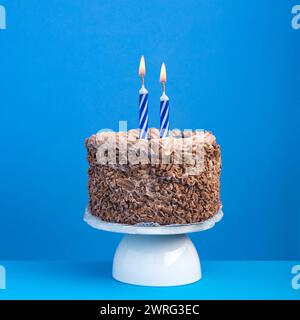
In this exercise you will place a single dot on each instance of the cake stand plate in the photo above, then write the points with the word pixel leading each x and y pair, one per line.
pixel 155 255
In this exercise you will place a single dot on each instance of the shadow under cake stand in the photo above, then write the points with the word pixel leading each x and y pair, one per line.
pixel 155 255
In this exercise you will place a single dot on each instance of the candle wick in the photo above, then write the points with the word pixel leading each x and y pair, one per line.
pixel 163 87
pixel 143 80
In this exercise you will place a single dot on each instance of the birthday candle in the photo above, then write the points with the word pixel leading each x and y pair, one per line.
pixel 143 102
pixel 164 105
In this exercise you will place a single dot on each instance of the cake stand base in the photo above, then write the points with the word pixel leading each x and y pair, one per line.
pixel 155 255
pixel 156 260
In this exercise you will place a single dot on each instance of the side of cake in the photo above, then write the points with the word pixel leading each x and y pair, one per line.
pixel 158 191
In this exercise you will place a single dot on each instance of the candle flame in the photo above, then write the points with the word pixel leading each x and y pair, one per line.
pixel 142 68
pixel 163 74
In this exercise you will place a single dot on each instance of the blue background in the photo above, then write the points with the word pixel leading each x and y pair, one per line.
pixel 69 68
pixel 92 280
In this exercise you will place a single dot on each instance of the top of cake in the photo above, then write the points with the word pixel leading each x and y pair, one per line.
pixel 125 148
pixel 133 134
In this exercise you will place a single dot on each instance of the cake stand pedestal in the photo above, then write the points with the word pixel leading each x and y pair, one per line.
pixel 152 255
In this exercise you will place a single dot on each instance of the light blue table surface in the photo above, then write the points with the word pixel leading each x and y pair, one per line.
pixel 92 280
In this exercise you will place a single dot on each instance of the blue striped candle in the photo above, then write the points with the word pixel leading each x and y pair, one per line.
pixel 143 102
pixel 143 113
pixel 164 104
pixel 164 116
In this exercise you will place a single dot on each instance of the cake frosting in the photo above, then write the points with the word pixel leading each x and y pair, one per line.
pixel 175 180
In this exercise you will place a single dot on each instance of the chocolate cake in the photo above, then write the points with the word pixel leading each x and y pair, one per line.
pixel 175 180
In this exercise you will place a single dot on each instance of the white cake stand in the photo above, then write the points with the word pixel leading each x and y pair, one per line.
pixel 154 255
